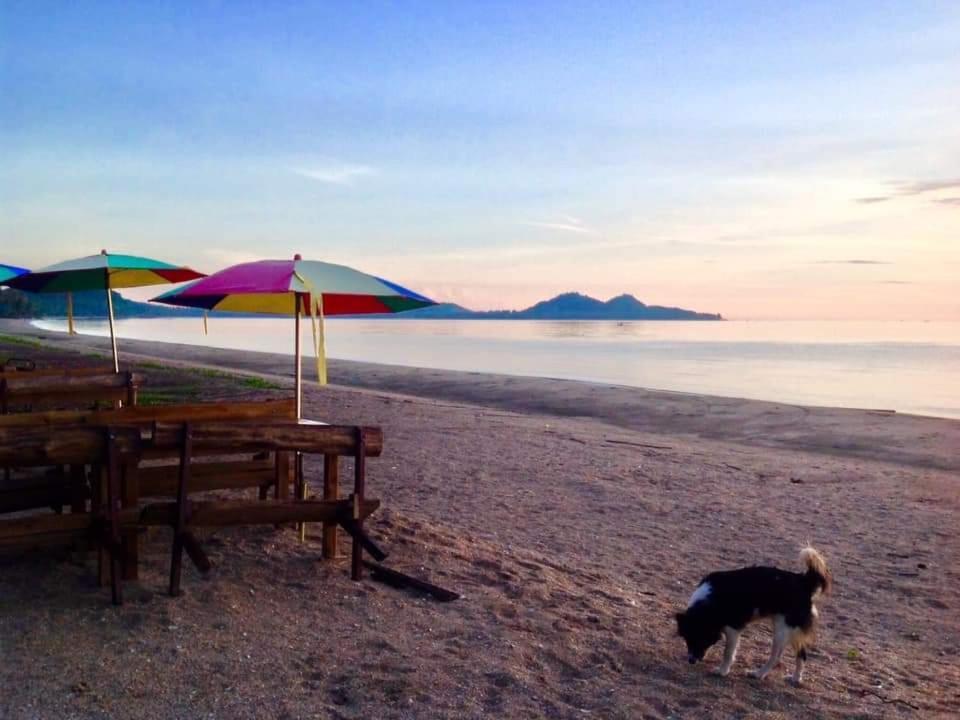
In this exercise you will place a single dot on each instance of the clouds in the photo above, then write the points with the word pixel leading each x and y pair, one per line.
pixel 917 187
pixel 566 223
pixel 851 262
pixel 345 174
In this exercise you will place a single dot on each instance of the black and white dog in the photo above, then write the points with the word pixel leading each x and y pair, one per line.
pixel 724 603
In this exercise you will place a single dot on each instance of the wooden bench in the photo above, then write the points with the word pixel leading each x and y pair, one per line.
pixel 194 440
pixel 158 478
pixel 26 389
pixel 117 450
pixel 114 452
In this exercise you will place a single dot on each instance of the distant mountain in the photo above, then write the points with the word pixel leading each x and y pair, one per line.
pixel 568 306
pixel 89 304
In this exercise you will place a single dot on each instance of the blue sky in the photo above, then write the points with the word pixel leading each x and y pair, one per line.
pixel 707 154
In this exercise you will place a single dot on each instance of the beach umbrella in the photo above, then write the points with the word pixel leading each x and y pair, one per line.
pixel 296 287
pixel 10 271
pixel 101 272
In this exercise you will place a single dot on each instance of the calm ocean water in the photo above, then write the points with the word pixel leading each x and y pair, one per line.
pixel 905 366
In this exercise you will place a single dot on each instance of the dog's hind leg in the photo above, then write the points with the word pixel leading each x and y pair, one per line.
pixel 729 651
pixel 781 634
pixel 797 678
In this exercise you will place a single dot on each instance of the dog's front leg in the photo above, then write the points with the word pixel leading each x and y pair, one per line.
pixel 729 651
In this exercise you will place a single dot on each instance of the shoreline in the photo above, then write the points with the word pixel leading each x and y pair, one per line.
pixel 871 434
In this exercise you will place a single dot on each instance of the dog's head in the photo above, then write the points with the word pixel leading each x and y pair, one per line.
pixel 698 634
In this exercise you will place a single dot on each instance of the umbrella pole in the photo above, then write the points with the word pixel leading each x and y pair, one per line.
pixel 298 373
pixel 113 334
pixel 71 330
pixel 300 483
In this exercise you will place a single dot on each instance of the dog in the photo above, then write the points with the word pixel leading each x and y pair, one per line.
pixel 724 603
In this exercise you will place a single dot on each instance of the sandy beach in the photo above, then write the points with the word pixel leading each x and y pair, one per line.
pixel 574 518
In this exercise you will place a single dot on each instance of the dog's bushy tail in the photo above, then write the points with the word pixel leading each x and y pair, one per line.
pixel 818 573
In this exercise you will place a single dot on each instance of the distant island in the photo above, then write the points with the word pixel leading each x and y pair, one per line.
pixel 568 306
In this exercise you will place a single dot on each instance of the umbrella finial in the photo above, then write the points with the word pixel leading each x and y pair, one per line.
pixel 297 257
pixel 103 252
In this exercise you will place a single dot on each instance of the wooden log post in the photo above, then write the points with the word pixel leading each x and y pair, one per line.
pixel 183 511
pixel 283 476
pixel 331 491
pixel 130 498
pixel 113 518
pixel 359 483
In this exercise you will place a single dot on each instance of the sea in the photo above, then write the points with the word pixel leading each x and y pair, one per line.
pixel 909 366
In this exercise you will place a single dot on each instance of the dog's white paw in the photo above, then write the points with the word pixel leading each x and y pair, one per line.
pixel 794 681
pixel 720 672
pixel 757 674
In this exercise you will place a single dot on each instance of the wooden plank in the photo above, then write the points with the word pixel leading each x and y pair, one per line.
pixel 28 389
pixel 267 512
pixel 161 480
pixel 60 371
pixel 217 438
pixel 146 415
pixel 30 383
pixel 331 491
pixel 37 446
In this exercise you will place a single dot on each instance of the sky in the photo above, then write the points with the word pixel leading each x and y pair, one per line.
pixel 757 159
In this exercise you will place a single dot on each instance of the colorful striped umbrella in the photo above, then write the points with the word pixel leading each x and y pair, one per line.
pixel 102 272
pixel 10 271
pixel 293 287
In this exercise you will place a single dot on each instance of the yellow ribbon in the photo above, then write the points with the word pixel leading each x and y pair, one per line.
pixel 319 340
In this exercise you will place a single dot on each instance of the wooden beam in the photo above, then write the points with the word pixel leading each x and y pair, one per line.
pixel 331 491
pixel 146 415
pixel 218 437
pixel 60 372
pixel 161 480
pixel 36 446
pixel 267 512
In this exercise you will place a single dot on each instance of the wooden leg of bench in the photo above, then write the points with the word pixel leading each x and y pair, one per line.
pixel 114 544
pixel 301 491
pixel 99 506
pixel 130 496
pixel 282 478
pixel 359 488
pixel 183 512
pixel 195 552
pixel 331 491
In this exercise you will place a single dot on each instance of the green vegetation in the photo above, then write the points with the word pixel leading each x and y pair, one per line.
pixel 16 340
pixel 172 396
pixel 259 383
pixel 248 381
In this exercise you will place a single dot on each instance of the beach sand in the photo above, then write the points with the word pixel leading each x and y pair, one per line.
pixel 574 518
